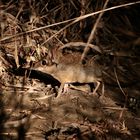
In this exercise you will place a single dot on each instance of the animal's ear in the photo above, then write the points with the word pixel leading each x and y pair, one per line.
pixel 50 54
pixel 53 54
pixel 49 59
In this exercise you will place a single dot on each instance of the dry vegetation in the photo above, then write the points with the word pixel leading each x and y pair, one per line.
pixel 29 29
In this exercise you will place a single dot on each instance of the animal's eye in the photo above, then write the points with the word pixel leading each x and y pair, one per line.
pixel 44 62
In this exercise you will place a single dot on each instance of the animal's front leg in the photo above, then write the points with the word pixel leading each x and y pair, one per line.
pixel 63 89
pixel 66 87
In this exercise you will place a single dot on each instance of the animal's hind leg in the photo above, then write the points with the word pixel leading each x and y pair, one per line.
pixel 96 88
pixel 103 89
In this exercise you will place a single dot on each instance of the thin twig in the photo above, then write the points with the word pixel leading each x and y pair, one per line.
pixel 92 34
pixel 125 95
pixel 77 44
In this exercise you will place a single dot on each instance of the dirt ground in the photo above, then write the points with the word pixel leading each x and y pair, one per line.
pixel 33 112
